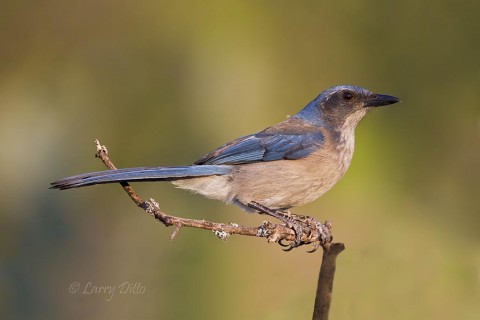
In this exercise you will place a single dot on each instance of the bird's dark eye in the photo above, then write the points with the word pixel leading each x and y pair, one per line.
pixel 347 95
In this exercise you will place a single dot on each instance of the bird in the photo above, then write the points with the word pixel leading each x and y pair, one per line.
pixel 286 165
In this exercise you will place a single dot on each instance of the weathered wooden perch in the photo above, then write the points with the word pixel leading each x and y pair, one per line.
pixel 323 297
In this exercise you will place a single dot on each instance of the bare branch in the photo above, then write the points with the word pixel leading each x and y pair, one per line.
pixel 319 234
pixel 325 280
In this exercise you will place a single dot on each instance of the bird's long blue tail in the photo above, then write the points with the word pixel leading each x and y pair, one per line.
pixel 141 174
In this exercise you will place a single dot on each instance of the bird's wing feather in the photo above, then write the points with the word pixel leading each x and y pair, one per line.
pixel 268 145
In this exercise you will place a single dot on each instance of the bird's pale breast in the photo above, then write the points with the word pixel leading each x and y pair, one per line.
pixel 284 184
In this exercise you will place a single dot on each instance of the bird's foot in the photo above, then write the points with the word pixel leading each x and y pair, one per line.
pixel 307 229
pixel 297 225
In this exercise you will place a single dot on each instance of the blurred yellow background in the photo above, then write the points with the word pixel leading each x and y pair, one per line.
pixel 164 82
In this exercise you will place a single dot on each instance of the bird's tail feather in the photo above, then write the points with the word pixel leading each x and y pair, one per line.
pixel 141 174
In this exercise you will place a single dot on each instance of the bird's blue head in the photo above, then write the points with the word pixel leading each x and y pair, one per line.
pixel 343 104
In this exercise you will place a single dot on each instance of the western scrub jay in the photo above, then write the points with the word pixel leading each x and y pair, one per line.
pixel 283 166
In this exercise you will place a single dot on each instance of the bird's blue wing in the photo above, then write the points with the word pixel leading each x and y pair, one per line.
pixel 242 150
pixel 289 146
pixel 267 145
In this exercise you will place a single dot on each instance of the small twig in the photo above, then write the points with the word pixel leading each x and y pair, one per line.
pixel 323 297
pixel 274 233
pixel 102 153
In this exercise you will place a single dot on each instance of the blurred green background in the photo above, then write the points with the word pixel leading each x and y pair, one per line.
pixel 164 82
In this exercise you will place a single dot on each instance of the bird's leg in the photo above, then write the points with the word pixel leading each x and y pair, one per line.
pixel 278 214
pixel 296 222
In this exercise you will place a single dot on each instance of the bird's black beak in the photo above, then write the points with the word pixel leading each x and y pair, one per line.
pixel 378 100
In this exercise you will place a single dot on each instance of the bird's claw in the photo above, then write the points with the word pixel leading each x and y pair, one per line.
pixel 316 245
pixel 282 244
pixel 307 230
pixel 296 224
